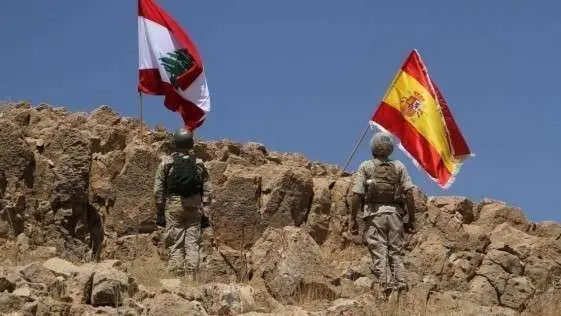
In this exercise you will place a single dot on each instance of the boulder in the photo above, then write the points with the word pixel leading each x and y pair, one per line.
pixel 517 292
pixel 172 305
pixel 70 151
pixel 37 273
pixel 547 229
pixel 319 217
pixel 517 240
pixel 11 303
pixel 454 205
pixel 460 268
pixel 287 197
pixel 228 299
pixel 133 209
pixel 495 274
pixel 235 213
pixel 111 286
pixel 16 158
pixel 481 291
pixel 290 264
pixel 492 213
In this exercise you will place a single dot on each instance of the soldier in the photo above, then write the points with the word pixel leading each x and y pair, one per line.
pixel 380 185
pixel 182 195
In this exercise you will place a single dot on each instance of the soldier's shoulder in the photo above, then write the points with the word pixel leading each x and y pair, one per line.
pixel 399 164
pixel 166 159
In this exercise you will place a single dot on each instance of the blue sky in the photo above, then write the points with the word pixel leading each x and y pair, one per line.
pixel 305 76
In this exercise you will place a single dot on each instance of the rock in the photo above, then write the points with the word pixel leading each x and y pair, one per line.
pixel 133 210
pixel 172 305
pixel 542 272
pixel 493 272
pixel 37 273
pixel 354 270
pixel 110 286
pixel 290 264
pixel 23 292
pixel 520 242
pixel 61 267
pixel 235 213
pixel 291 193
pixel 320 211
pixel 7 283
pixel 3 184
pixel 508 261
pixel 348 307
pixel 493 213
pixel 71 152
pixel 364 283
pixel 11 303
pixel 16 158
pixel 455 205
pixel 517 292
pixel 429 254
pixel 482 292
pixel 547 229
pixel 104 116
pixel 460 268
pixel 23 242
pixel 171 285
pixel 228 299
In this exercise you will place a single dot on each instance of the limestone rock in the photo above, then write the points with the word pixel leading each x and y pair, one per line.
pixel 455 205
pixel 172 305
pixel 493 213
pixel 517 292
pixel 288 202
pixel 320 211
pixel 110 286
pixel 482 292
pixel 290 263
pixel 235 214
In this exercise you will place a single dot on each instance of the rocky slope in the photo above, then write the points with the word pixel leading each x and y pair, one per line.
pixel 276 244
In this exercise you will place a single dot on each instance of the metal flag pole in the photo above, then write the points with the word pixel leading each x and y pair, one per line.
pixel 140 111
pixel 355 149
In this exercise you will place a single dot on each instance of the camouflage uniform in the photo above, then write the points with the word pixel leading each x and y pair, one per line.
pixel 183 218
pixel 384 234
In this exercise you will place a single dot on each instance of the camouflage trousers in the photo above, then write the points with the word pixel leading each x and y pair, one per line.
pixel 385 240
pixel 183 234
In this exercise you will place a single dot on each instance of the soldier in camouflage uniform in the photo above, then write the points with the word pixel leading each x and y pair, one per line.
pixel 182 195
pixel 382 188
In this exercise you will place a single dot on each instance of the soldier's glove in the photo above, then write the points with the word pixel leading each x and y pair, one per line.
pixel 409 228
pixel 160 217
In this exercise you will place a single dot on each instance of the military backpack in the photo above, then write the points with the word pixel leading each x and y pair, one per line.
pixel 184 177
pixel 383 183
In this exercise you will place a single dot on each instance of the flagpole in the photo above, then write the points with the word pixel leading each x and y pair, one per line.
pixel 140 110
pixel 355 149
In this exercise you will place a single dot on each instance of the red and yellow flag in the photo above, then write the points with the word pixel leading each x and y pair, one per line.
pixel 415 111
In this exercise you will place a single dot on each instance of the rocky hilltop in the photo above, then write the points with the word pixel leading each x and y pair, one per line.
pixel 276 244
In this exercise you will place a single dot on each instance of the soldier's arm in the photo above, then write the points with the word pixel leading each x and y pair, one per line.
pixel 160 183
pixel 207 185
pixel 408 186
pixel 358 191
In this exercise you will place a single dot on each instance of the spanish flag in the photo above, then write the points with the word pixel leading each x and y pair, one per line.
pixel 415 111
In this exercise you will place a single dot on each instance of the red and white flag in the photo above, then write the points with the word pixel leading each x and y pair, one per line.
pixel 170 65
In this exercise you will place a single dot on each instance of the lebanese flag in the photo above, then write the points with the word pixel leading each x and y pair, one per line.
pixel 169 64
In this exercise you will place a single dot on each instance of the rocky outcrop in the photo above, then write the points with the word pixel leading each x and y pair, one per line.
pixel 276 243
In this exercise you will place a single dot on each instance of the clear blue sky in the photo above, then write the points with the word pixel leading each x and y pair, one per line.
pixel 305 76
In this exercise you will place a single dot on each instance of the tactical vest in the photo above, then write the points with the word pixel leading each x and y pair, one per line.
pixel 184 177
pixel 383 184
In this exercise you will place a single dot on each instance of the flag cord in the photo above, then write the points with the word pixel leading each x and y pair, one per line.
pixel 140 110
pixel 355 149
